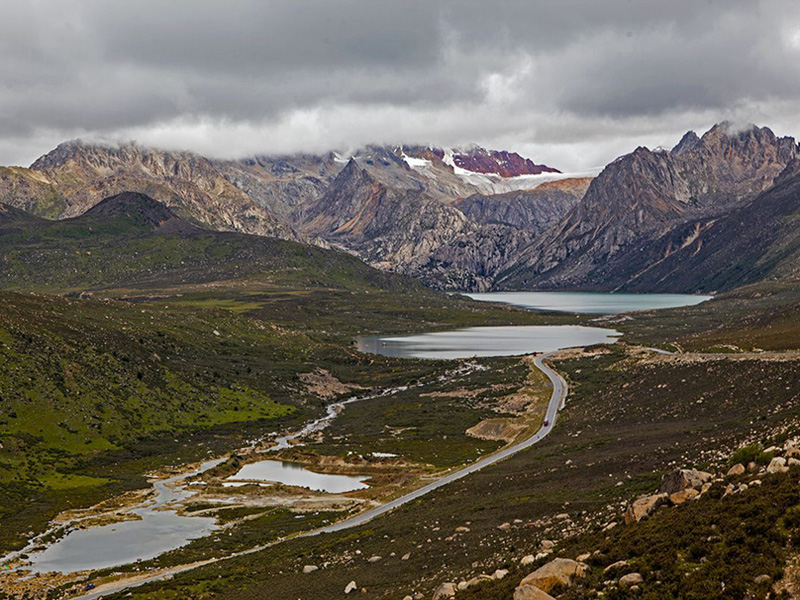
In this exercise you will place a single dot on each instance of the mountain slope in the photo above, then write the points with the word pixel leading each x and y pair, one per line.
pixel 281 184
pixel 758 241
pixel 642 195
pixel 535 209
pixel 133 240
pixel 389 228
pixel 83 174
pixel 277 196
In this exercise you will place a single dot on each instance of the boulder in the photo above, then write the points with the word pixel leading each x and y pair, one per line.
pixel 683 496
pixel 793 452
pixel 561 571
pixel 777 465
pixel 680 479
pixel 531 592
pixel 793 462
pixel 499 574
pixel 527 560
pixel 350 587
pixel 644 506
pixel 762 579
pixel 479 579
pixel 614 566
pixel 374 559
pixel 446 590
pixel 631 579
pixel 310 569
pixel 737 469
pixel 583 557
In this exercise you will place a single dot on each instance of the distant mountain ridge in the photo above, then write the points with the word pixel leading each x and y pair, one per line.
pixel 85 174
pixel 286 197
pixel 641 196
pixel 470 219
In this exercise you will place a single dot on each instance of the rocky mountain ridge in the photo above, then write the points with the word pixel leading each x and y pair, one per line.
pixel 472 219
pixel 85 174
pixel 397 210
pixel 641 196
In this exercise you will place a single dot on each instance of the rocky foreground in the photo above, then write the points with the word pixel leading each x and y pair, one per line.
pixel 548 578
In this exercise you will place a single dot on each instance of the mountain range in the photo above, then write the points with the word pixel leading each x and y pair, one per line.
pixel 714 212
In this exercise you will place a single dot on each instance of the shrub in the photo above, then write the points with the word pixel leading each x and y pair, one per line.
pixel 752 453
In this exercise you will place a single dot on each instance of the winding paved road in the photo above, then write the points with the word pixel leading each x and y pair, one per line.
pixel 557 400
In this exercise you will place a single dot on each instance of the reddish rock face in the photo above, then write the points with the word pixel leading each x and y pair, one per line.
pixel 503 163
pixel 481 160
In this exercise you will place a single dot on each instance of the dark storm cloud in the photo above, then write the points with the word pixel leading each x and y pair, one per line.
pixel 572 81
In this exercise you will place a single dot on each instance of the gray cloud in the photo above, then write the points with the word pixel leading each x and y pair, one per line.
pixel 572 83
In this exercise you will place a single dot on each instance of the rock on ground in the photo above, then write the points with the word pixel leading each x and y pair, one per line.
pixel 446 590
pixel 777 465
pixel 631 579
pixel 617 565
pixel 737 469
pixel 643 507
pixel 561 571
pixel 679 480
pixel 683 496
pixel 530 592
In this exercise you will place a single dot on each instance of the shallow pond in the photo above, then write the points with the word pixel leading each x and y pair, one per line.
pixel 297 475
pixel 158 529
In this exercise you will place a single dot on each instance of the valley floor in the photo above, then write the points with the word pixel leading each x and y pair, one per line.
pixel 632 415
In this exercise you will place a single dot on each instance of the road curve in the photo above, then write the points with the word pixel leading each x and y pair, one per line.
pixel 557 400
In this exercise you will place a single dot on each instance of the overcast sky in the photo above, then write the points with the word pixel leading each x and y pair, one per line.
pixel 572 83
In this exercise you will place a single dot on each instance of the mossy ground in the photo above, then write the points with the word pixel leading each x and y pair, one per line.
pixel 630 419
pixel 96 393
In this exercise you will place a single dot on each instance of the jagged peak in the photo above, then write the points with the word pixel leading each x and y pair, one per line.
pixel 688 142
pixel 71 149
pixel 730 130
pixel 350 170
